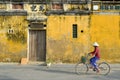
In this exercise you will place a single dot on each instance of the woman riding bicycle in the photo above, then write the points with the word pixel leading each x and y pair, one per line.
pixel 96 57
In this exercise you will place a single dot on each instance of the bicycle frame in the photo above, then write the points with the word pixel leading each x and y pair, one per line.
pixel 103 66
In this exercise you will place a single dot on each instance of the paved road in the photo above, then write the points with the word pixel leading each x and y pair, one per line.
pixel 55 72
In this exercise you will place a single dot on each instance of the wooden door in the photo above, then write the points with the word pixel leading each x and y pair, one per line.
pixel 37 45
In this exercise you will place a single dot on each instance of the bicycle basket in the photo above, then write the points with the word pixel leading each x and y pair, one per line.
pixel 83 59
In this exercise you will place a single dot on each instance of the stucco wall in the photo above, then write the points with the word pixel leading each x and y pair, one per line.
pixel 105 29
pixel 61 46
pixel 13 45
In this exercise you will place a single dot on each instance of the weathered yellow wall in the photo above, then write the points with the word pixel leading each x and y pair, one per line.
pixel 13 46
pixel 60 43
pixel 105 29
pixel 61 46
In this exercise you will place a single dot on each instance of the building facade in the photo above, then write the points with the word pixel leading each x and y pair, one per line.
pixel 58 30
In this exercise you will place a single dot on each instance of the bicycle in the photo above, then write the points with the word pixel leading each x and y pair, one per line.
pixel 83 66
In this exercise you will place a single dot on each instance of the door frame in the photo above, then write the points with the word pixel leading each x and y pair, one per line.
pixel 28 45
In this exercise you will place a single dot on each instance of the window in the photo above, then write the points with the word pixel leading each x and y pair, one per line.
pixel 105 7
pixel 110 7
pixel 74 30
pixel 117 7
pixel 17 6
pixel 57 6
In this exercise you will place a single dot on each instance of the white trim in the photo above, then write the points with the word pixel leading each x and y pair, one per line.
pixel 28 44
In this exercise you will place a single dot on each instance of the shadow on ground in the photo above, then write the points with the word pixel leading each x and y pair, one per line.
pixel 3 77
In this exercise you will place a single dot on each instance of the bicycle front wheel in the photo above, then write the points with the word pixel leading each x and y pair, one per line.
pixel 81 68
pixel 104 68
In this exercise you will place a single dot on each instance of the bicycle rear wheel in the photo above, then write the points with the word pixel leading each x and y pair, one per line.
pixel 81 68
pixel 104 68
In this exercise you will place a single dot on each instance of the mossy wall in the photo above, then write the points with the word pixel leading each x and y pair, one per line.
pixel 13 38
pixel 61 46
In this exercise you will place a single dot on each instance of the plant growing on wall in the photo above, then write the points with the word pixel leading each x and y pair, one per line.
pixel 18 36
pixel 16 30
pixel 13 37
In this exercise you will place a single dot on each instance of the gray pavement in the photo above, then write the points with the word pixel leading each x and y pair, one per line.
pixel 55 72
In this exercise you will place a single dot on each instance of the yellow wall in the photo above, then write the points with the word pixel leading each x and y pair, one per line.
pixel 105 29
pixel 61 46
pixel 13 46
pixel 60 43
